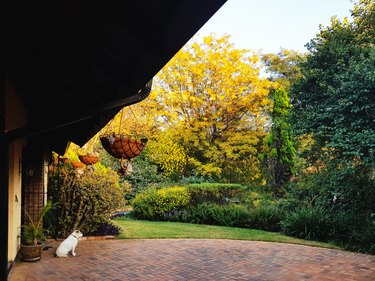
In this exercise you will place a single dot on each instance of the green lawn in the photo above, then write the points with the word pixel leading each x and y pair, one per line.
pixel 139 229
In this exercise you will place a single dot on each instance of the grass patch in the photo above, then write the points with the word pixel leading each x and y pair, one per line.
pixel 141 229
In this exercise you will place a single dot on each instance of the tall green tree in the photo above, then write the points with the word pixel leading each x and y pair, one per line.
pixel 281 157
pixel 334 101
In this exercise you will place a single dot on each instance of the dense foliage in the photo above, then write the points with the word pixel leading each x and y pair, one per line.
pixel 85 197
pixel 205 115
pixel 284 67
pixel 219 193
pixel 280 159
pixel 155 204
pixel 334 101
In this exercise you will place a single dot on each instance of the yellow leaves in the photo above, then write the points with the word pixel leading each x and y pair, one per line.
pixel 202 111
pixel 208 40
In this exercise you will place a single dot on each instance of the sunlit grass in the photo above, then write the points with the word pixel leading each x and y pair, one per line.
pixel 140 229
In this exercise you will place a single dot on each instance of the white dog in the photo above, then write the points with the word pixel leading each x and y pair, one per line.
pixel 68 245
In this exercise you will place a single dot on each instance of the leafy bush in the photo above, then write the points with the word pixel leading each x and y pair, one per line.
pixel 230 215
pixel 213 192
pixel 307 223
pixel 200 214
pixel 354 231
pixel 364 237
pixel 194 179
pixel 154 204
pixel 286 205
pixel 354 191
pixel 214 214
pixel 105 228
pixel 84 198
pixel 265 218
pixel 256 199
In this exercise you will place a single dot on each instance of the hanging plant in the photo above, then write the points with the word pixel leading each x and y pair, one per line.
pixel 77 164
pixel 89 159
pixel 123 147
pixel 64 159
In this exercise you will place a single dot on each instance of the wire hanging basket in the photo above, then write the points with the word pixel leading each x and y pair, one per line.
pixel 77 164
pixel 123 147
pixel 89 159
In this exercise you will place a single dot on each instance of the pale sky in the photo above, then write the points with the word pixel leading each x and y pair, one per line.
pixel 268 25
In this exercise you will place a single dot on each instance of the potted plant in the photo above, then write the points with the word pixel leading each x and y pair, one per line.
pixel 33 235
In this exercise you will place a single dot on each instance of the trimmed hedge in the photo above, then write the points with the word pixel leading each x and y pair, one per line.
pixel 155 204
pixel 219 193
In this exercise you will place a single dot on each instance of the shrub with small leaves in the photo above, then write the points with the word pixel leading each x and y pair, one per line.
pixel 154 204
pixel 84 199
pixel 105 228
pixel 213 192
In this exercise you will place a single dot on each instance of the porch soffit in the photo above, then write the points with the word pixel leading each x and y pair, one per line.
pixel 69 60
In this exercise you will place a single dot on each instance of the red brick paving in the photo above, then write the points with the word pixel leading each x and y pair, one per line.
pixel 189 259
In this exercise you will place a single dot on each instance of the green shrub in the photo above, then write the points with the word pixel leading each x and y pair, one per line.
pixel 199 214
pixel 363 236
pixel 214 214
pixel 155 204
pixel 230 215
pixel 286 205
pixel 353 189
pixel 342 224
pixel 256 199
pixel 307 223
pixel 84 198
pixel 265 218
pixel 194 179
pixel 218 193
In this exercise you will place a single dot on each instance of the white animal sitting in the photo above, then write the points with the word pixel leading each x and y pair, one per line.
pixel 68 245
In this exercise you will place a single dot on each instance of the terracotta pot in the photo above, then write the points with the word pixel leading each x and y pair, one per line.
pixel 31 253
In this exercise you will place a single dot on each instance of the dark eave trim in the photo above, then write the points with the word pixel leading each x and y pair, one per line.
pixel 118 104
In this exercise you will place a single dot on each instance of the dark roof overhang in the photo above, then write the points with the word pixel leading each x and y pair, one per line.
pixel 75 64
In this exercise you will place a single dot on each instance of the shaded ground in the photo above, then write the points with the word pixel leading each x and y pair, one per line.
pixel 190 259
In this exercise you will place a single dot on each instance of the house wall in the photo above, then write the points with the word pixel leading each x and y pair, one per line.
pixel 13 121
pixel 14 198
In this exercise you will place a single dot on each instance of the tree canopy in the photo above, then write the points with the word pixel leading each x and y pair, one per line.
pixel 334 101
pixel 212 100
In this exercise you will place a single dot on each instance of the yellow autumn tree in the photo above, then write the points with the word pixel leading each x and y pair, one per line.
pixel 208 104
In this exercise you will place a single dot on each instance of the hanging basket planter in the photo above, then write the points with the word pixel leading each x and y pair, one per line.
pixel 77 164
pixel 123 147
pixel 89 159
pixel 64 159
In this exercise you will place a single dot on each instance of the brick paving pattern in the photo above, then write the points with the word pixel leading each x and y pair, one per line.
pixel 190 259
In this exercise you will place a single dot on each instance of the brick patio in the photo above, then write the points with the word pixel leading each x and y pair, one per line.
pixel 188 259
